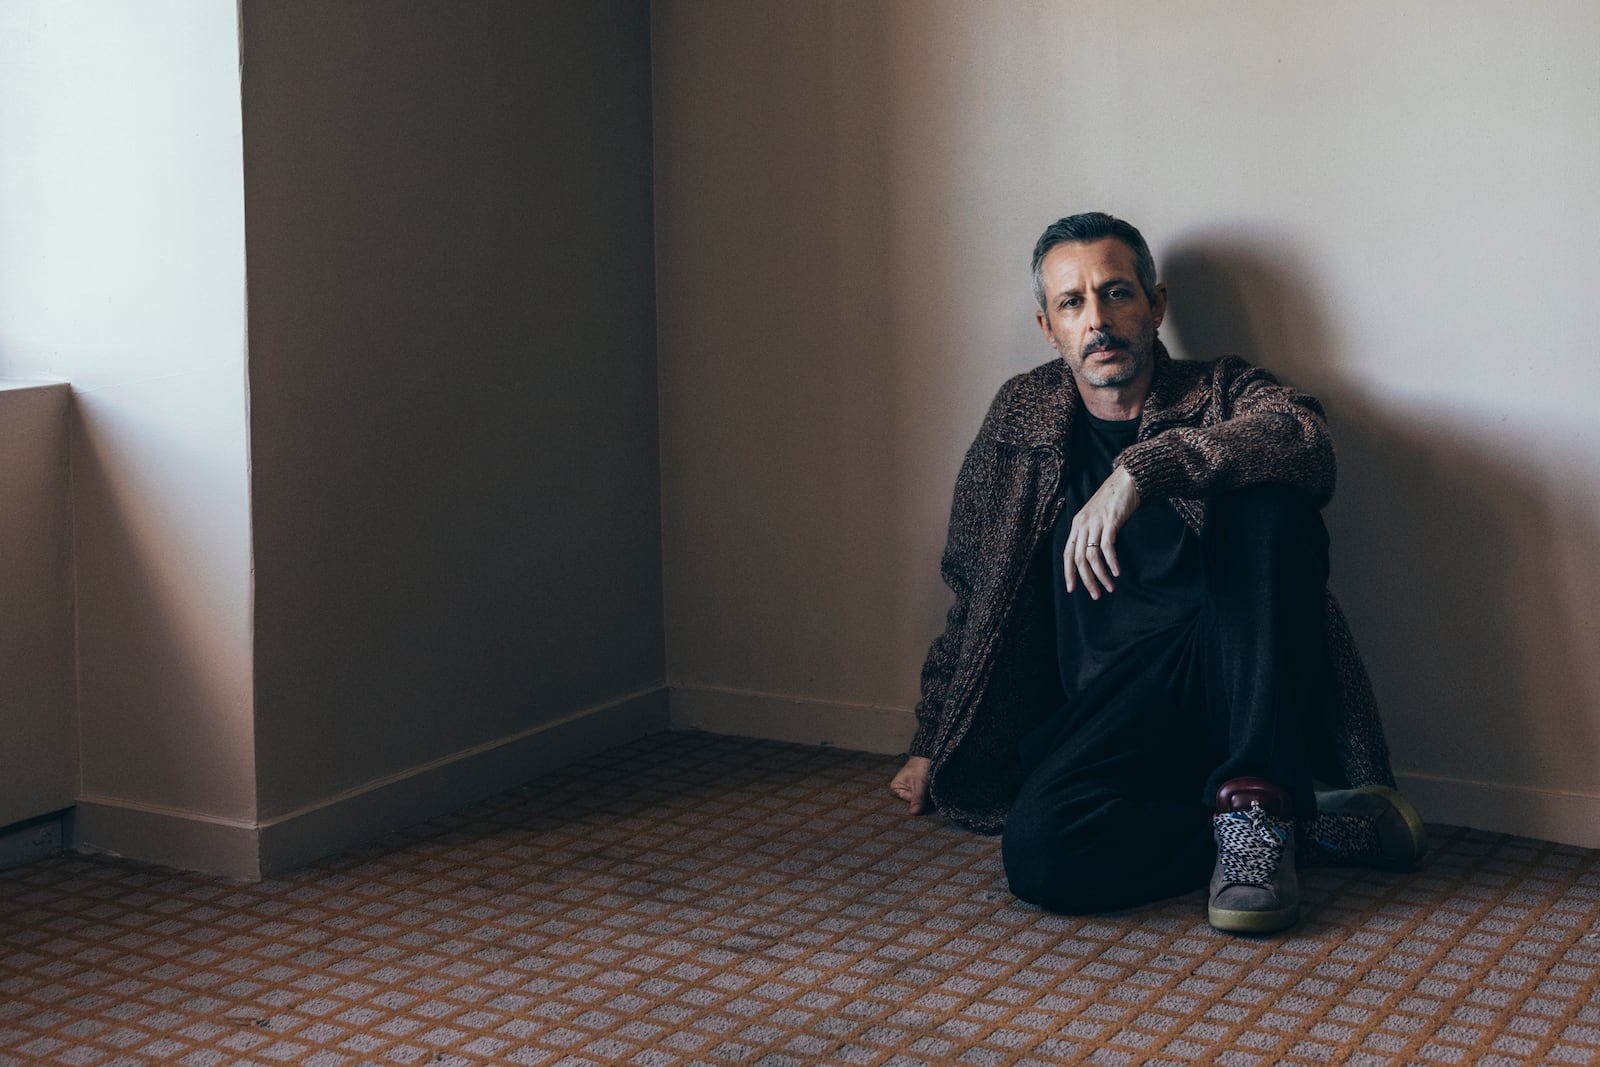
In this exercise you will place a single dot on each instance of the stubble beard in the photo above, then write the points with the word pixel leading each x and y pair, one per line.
pixel 1140 352
pixel 1108 377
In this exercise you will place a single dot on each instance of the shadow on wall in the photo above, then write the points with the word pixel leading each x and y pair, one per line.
pixel 1442 546
pixel 153 695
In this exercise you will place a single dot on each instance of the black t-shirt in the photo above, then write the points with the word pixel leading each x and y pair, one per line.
pixel 1159 556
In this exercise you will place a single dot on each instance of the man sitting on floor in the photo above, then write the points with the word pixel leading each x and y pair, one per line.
pixel 1143 670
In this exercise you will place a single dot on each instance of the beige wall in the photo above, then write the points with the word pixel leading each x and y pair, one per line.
pixel 453 362
pixel 122 270
pixel 453 393
pixel 1391 205
pixel 38 722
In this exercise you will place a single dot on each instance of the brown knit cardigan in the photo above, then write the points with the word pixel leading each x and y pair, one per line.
pixel 1207 428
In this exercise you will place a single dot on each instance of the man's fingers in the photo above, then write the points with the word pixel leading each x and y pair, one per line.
pixel 911 784
pixel 1072 561
pixel 1086 575
pixel 1097 564
pixel 1108 551
pixel 916 795
pixel 1091 560
pixel 1085 563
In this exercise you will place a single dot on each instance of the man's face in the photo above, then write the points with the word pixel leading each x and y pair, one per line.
pixel 1097 315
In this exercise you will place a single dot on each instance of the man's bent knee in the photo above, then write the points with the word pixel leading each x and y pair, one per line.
pixel 1060 870
pixel 1267 508
pixel 1051 879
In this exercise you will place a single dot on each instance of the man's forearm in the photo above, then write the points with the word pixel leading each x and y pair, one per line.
pixel 1268 432
pixel 1202 461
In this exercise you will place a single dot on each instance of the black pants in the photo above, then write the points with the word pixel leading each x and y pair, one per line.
pixel 1116 808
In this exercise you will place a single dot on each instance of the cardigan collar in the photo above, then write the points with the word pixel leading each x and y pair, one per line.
pixel 1041 415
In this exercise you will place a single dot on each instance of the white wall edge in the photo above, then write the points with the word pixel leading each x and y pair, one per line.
pixel 1549 815
pixel 171 837
pixel 775 717
pixel 419 793
pixel 20 384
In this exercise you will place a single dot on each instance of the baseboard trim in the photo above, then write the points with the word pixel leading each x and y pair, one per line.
pixel 249 851
pixel 170 837
pixel 246 850
pixel 32 840
pixel 419 793
pixel 1549 815
pixel 775 717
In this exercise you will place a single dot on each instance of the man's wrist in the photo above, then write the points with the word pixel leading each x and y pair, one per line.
pixel 1130 483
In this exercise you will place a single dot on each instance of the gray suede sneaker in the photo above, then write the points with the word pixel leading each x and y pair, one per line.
pixel 1373 826
pixel 1253 886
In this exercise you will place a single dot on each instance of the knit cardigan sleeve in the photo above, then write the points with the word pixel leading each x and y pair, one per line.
pixel 955 568
pixel 969 505
pixel 1251 430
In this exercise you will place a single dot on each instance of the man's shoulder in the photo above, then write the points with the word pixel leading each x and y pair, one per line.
pixel 1194 384
pixel 1044 382
pixel 1219 368
pixel 1035 407
pixel 1029 407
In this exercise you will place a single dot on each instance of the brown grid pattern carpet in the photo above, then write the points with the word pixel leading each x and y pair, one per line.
pixel 693 900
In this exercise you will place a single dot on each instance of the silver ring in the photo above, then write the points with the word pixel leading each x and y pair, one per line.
pixel 1093 544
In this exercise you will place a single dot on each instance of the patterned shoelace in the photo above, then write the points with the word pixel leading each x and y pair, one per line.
pixel 1251 845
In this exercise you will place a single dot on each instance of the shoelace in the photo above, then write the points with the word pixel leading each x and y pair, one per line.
pixel 1267 827
pixel 1252 845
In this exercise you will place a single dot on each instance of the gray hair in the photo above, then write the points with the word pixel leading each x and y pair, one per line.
pixel 1094 226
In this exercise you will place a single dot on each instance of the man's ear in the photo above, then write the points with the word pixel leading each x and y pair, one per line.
pixel 1158 302
pixel 1044 326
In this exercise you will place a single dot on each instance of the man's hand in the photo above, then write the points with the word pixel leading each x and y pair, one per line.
pixel 911 784
pixel 1091 554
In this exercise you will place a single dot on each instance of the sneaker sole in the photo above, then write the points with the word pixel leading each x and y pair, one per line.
pixel 1414 823
pixel 1230 921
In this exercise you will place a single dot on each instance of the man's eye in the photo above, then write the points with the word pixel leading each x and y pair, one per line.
pixel 1118 294
pixel 1072 301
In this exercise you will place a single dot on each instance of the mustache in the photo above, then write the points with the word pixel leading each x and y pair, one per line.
pixel 1107 341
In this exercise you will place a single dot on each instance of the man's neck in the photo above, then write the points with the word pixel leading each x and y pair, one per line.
pixel 1116 403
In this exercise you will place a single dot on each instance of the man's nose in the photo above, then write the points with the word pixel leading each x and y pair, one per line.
pixel 1097 317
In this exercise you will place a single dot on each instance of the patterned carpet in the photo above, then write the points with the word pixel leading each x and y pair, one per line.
pixel 694 900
